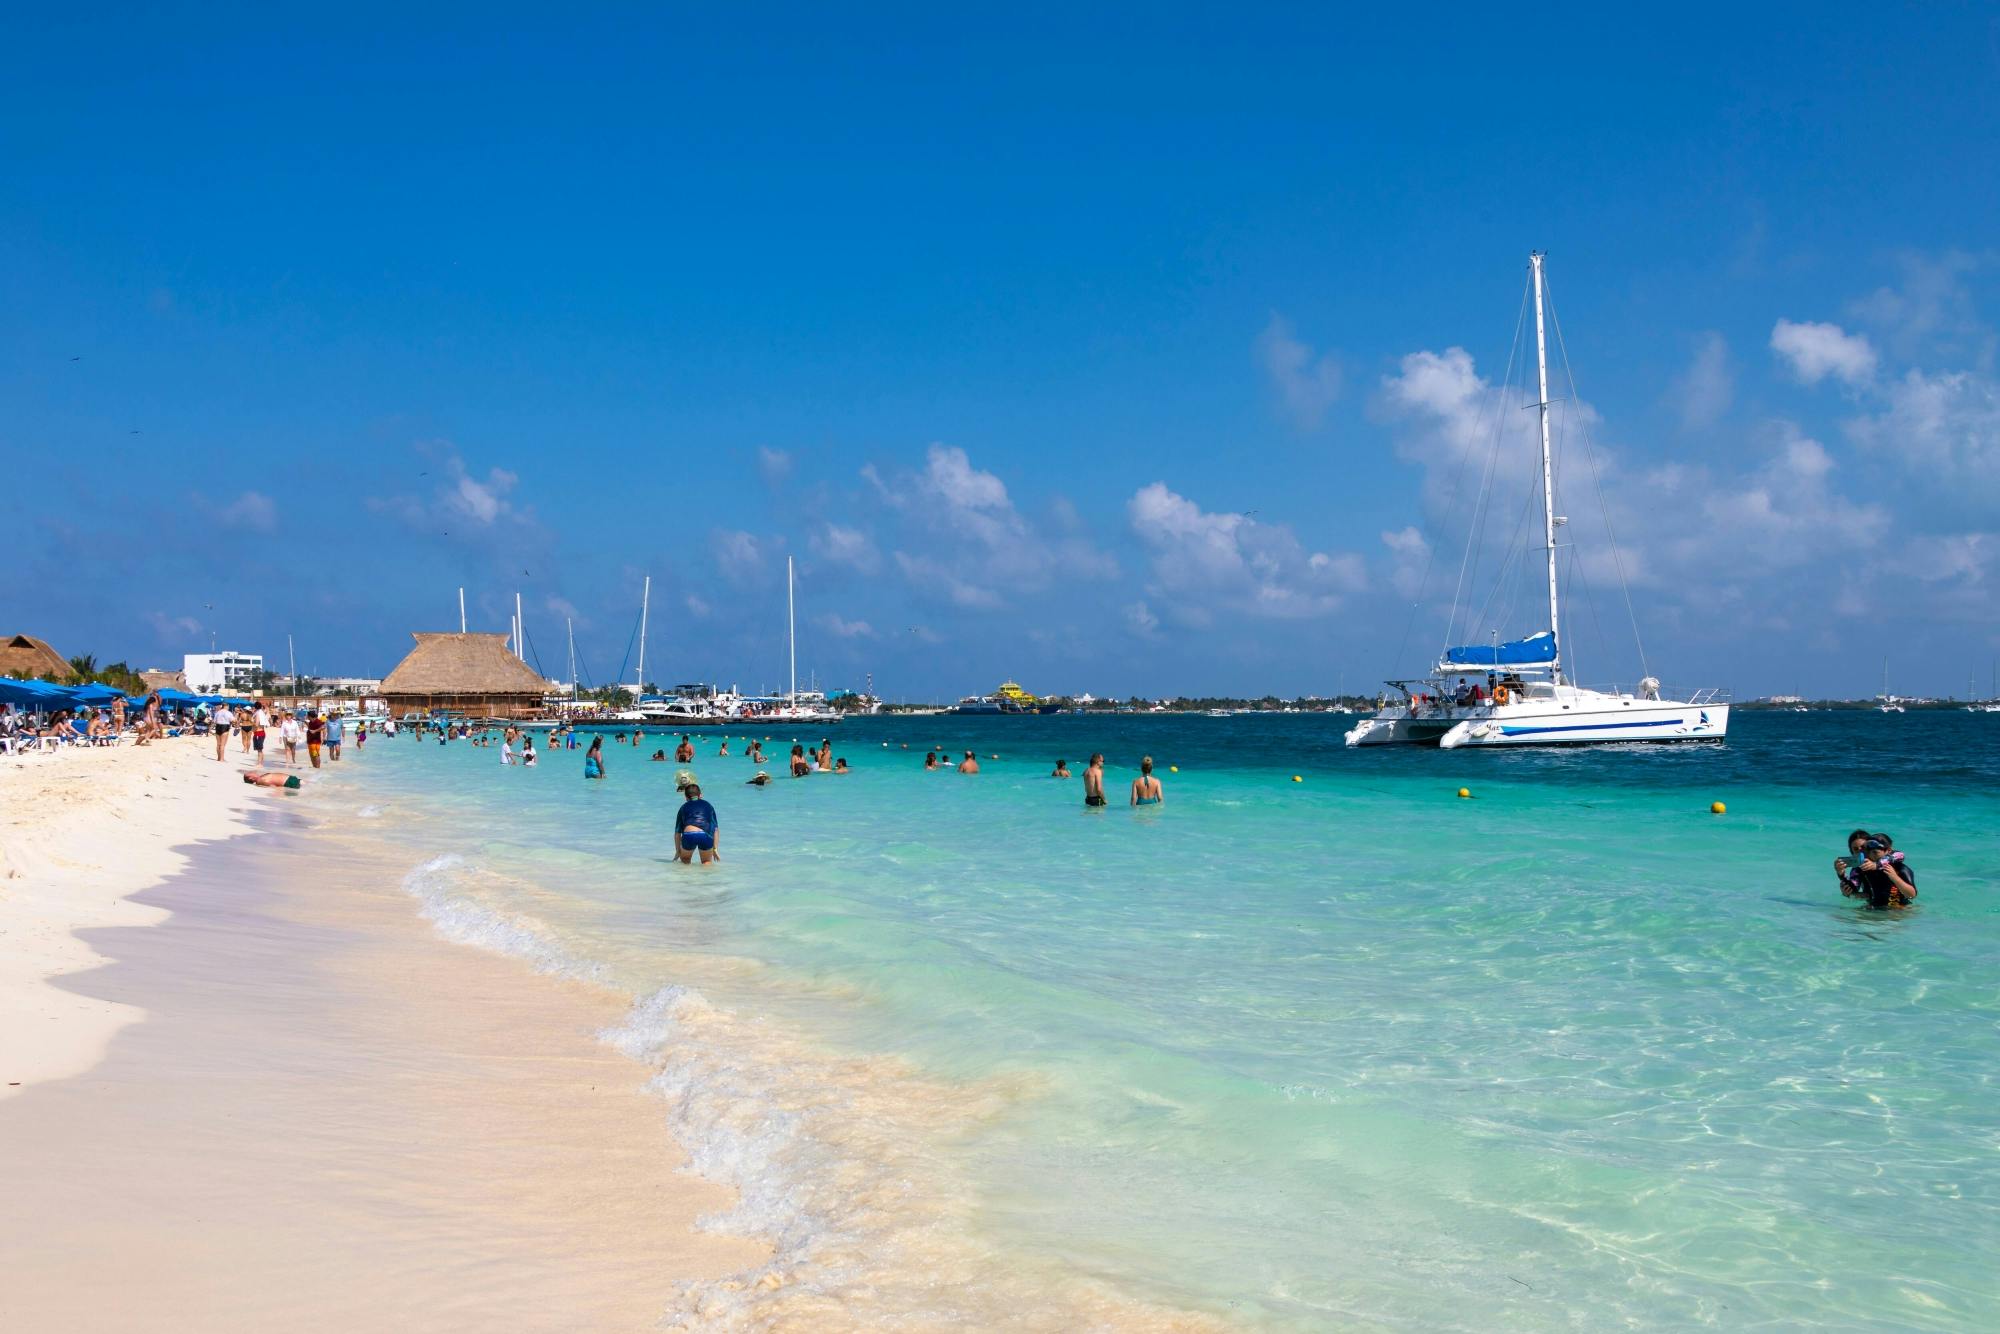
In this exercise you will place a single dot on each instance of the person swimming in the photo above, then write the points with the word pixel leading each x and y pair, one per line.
pixel 1146 789
pixel 1061 770
pixel 930 761
pixel 1875 871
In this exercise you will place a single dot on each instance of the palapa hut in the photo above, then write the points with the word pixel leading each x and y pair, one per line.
pixel 26 658
pixel 473 674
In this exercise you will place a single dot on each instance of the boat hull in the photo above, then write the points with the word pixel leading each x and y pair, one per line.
pixel 1533 725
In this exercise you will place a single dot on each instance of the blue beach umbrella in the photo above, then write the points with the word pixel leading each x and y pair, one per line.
pixel 32 694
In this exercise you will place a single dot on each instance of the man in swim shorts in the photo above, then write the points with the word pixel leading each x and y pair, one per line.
pixel 1093 781
pixel 695 827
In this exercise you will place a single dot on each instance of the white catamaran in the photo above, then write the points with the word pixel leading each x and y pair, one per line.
pixel 1516 693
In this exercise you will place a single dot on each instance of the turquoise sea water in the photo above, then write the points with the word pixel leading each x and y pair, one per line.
pixel 1347 1052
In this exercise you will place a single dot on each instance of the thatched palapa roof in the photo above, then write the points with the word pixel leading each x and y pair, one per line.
pixel 25 657
pixel 469 665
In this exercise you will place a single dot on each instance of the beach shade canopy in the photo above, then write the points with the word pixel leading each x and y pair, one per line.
pixel 470 673
pixel 33 694
pixel 94 693
pixel 23 656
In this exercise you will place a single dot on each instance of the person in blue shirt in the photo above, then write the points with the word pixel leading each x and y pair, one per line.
pixel 695 825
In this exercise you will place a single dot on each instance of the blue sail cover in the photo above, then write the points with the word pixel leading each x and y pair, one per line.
pixel 1529 652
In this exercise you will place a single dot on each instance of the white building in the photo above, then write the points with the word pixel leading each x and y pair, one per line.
pixel 210 672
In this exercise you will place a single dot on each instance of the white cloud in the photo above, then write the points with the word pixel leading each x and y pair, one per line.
pixel 740 556
pixel 1815 351
pixel 462 504
pixel 1139 617
pixel 774 465
pixel 252 510
pixel 1203 563
pixel 1946 427
pixel 846 546
pixel 1306 385
pixel 1409 557
pixel 1931 309
pixel 927 573
pixel 173 629
pixel 844 629
pixel 697 605
pixel 964 539
pixel 1705 390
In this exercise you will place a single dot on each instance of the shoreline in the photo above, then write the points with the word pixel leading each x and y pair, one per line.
pixel 330 1116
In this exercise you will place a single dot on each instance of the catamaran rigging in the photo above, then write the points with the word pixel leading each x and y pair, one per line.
pixel 1517 692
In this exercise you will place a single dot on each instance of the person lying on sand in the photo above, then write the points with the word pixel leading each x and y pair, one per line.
pixel 290 781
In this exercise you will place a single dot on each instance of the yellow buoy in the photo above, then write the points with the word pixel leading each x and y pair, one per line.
pixel 1173 768
pixel 1297 779
pixel 1716 808
pixel 1465 792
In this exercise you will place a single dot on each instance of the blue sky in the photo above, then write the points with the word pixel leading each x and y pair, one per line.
pixel 1124 351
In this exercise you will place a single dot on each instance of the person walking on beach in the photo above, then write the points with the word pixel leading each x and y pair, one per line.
pixel 315 737
pixel 260 726
pixel 1093 781
pixel 970 764
pixel 696 825
pixel 225 719
pixel 593 759
pixel 1146 789
pixel 291 733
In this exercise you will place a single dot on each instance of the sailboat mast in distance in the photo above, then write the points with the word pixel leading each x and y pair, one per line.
pixel 791 633
pixel 645 601
pixel 1548 470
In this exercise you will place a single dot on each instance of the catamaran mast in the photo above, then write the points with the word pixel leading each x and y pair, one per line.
pixel 1548 467
pixel 792 633
pixel 570 626
pixel 645 601
pixel 520 631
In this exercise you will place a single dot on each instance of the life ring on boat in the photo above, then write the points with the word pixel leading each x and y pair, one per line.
pixel 1502 694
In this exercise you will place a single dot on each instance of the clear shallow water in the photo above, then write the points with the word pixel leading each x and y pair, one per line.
pixel 1572 1054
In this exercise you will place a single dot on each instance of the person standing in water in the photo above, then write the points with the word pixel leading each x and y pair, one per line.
pixel 684 753
pixel 1093 781
pixel 695 827
pixel 970 764
pixel 593 759
pixel 1061 770
pixel 1146 790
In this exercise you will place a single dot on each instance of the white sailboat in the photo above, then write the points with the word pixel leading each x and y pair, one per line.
pixel 1889 704
pixel 809 706
pixel 1515 693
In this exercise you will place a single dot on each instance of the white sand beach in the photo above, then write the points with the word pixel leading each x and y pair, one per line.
pixel 81 831
pixel 259 1093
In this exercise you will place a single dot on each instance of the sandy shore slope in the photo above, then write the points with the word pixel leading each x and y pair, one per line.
pixel 80 832
pixel 329 1118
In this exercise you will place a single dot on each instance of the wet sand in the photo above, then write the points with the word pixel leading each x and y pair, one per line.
pixel 331 1118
